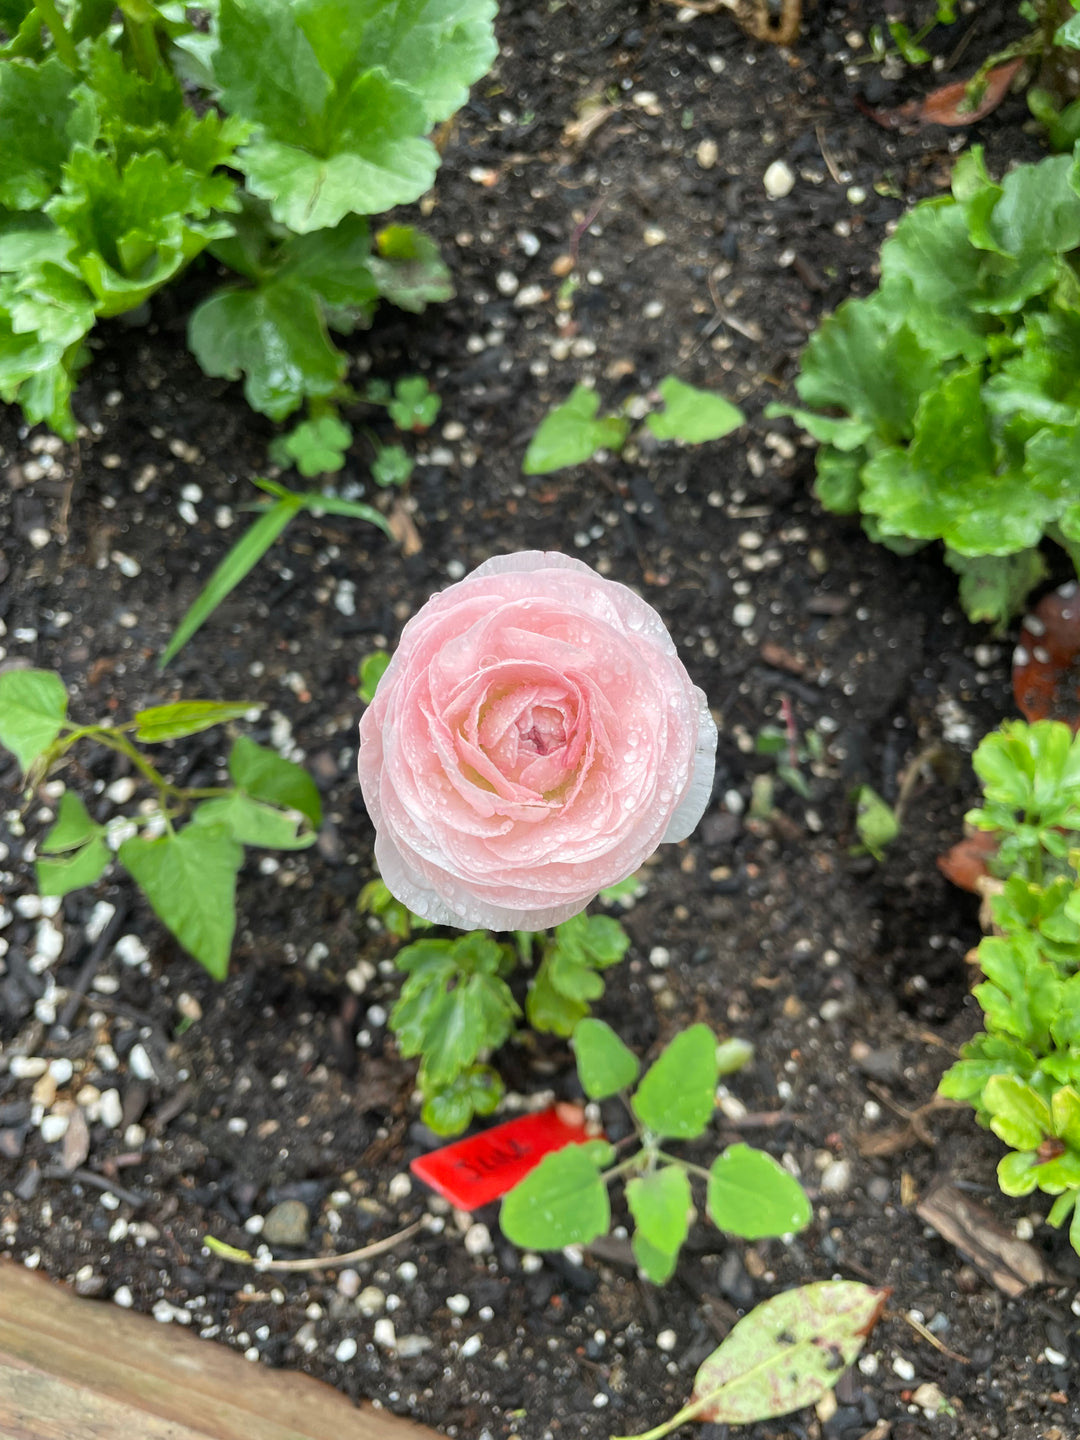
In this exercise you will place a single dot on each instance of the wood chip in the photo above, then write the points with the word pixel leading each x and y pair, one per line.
pixel 1011 1264
pixel 404 531
pixel 76 1141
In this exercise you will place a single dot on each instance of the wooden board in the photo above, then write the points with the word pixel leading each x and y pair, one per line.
pixel 74 1369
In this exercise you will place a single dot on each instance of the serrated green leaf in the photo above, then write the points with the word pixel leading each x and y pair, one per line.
pixel 931 278
pixel 265 775
pixel 189 878
pixel 751 1196
pixel 660 1203
pixel 240 560
pixel 843 434
pixel 787 1353
pixel 564 1201
pixel 33 707
pixel 550 1011
pixel 159 723
pixel 692 415
pixel 40 120
pixel 1018 1114
pixel 1065 1116
pixel 571 433
pixel 72 829
pixel 603 939
pixel 275 336
pixel 252 823
pixel 604 1064
pixel 839 479
pixel 678 1094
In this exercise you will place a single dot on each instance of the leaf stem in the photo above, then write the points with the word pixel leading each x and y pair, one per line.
pixel 688 1412
pixel 686 1164
pixel 65 45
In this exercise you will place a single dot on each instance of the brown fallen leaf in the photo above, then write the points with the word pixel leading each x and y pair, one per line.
pixel 404 531
pixel 965 864
pixel 946 106
pixel 1011 1264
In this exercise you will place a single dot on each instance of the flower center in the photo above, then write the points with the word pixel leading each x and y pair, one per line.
pixel 541 730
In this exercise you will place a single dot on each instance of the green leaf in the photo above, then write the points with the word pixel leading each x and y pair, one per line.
pixel 564 1201
pixel 996 587
pixel 252 823
pixel 72 829
pixel 1036 219
pixel 33 707
pixel 40 120
pixel 316 447
pixel 843 434
pixel 839 480
pixel 265 775
pixel 1017 1174
pixel 189 878
pixel 875 821
pixel 1018 1114
pixel 392 466
pixel 786 1354
pixel 409 270
pixel 571 433
pixel 604 1064
pixel 337 265
pixel 660 1203
pixel 865 361
pixel 372 669
pixel 415 405
pixel 932 279
pixel 74 869
pixel 692 415
pixel 275 336
pixel 476 1091
pixel 982 1058
pixel 678 1094
pixel 751 1196
pixel 1068 33
pixel 171 722
pixel 241 558
pixel 948 485
pixel 136 225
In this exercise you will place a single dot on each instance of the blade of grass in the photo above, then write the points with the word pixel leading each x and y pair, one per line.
pixel 331 505
pixel 241 559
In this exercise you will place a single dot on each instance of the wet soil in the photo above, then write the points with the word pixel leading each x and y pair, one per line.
pixel 847 975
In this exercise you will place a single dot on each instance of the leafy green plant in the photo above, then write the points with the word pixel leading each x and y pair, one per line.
pixel 456 1007
pixel 187 871
pixel 564 1200
pixel 246 553
pixel 123 147
pixel 1022 1073
pixel 945 403
pixel 789 1352
pixel 575 430
pixel 316 446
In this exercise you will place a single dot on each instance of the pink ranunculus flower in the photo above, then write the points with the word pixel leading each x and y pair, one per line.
pixel 533 740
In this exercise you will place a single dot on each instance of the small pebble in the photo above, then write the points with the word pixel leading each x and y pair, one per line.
pixel 54 1127
pixel 124 1298
pixel 112 1109
pixel 708 152
pixel 346 1351
pixel 287 1224
pixel 904 1368
pixel 666 1340
pixel 477 1240
pixel 28 1067
pixel 384 1335
pixel 371 1301
pixel 471 1346
pixel 142 1067
pixel 836 1177
pixel 778 180
pixel 457 1304
pixel 743 614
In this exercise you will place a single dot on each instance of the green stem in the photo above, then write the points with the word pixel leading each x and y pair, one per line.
pixel 65 46
pixel 688 1165
pixel 142 37
pixel 688 1412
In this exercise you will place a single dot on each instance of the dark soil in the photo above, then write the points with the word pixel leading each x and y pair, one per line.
pixel 847 975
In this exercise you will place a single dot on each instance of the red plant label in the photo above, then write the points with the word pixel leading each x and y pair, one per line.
pixel 473 1172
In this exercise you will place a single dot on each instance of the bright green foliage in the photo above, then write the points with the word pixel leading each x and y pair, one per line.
pixel 565 1199
pixel 372 669
pixel 188 874
pixel 121 147
pixel 415 405
pixel 572 433
pixel 315 447
pixel 454 1009
pixel 33 708
pixel 1022 1073
pixel 375 899
pixel 875 821
pixel 951 393
pixel 392 465
pixel 692 415
pixel 477 1090
pixel 787 1353
pixel 568 979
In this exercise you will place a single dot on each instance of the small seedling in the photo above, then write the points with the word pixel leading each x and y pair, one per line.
pixel 186 871
pixel 315 447
pixel 575 431
pixel 392 465
pixel 564 1201
pixel 876 822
